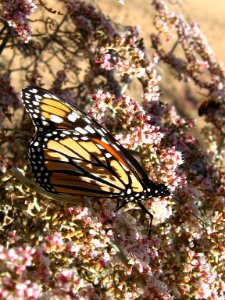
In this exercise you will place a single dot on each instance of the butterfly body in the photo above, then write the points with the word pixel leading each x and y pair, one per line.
pixel 71 153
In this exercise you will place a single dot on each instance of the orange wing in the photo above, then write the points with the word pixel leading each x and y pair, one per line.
pixel 67 164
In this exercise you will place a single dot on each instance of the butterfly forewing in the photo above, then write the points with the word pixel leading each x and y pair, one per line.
pixel 63 162
pixel 49 112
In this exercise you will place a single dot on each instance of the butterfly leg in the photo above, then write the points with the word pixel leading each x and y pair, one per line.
pixel 149 214
pixel 120 206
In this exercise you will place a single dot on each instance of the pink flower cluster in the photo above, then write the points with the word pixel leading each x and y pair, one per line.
pixel 14 279
pixel 24 268
pixel 89 250
pixel 147 135
pixel 101 103
pixel 16 13
pixel 124 53
pixel 170 159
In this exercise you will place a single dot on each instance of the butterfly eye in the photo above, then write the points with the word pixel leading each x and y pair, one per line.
pixel 163 190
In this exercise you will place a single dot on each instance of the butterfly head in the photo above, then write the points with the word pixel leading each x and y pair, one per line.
pixel 158 190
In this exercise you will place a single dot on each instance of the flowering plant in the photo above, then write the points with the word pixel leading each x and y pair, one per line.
pixel 56 250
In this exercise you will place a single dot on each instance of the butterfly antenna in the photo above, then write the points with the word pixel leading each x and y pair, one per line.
pixel 200 220
pixel 167 185
pixel 182 204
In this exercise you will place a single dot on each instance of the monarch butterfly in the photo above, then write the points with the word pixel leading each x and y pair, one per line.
pixel 71 153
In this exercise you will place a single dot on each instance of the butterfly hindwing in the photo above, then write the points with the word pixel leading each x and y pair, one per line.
pixel 63 162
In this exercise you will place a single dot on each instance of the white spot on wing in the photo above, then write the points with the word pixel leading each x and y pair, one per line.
pixel 56 119
pixel 129 191
pixel 115 147
pixel 89 129
pixel 100 147
pixel 73 117
pixel 66 132
pixel 104 141
pixel 47 96
pixel 100 131
pixel 81 130
pixel 87 120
